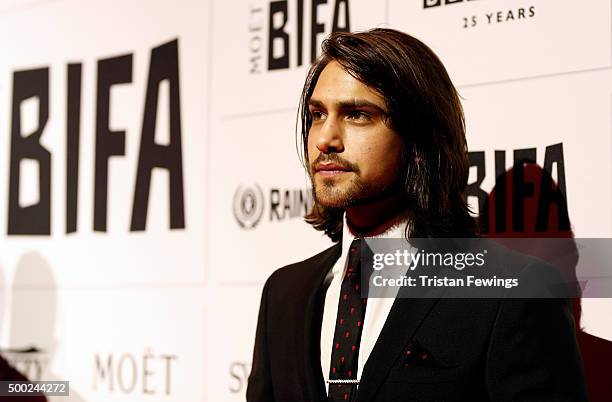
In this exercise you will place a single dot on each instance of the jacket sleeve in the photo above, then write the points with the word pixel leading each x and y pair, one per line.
pixel 259 388
pixel 533 353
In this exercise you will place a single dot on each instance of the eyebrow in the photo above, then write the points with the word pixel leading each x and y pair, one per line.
pixel 348 104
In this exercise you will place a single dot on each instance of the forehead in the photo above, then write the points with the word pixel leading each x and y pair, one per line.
pixel 336 85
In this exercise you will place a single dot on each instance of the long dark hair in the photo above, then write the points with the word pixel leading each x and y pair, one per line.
pixel 424 108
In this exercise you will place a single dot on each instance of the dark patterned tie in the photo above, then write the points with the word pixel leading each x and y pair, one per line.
pixel 347 335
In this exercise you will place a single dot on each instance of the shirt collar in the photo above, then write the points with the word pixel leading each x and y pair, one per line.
pixel 396 231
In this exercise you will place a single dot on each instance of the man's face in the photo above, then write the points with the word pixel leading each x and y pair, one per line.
pixel 353 156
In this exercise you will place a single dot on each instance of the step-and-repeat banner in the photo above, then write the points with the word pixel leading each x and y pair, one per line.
pixel 150 182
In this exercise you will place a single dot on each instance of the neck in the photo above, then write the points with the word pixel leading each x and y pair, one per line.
pixel 373 219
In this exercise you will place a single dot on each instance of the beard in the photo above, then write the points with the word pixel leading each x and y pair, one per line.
pixel 341 193
pixel 352 191
pixel 331 193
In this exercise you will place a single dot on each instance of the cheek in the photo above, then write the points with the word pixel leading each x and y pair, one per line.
pixel 387 168
pixel 382 159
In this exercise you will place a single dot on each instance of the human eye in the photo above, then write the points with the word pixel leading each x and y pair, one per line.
pixel 358 115
pixel 316 114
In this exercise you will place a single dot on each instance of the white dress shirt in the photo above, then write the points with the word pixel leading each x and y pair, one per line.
pixel 377 309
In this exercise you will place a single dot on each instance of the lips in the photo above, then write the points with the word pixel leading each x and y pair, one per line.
pixel 330 169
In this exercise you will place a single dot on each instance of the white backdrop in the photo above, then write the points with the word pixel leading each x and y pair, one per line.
pixel 165 310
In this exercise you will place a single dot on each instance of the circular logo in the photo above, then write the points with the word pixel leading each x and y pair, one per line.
pixel 248 206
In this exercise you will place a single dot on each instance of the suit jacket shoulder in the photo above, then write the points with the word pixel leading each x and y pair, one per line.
pixel 303 273
pixel 286 341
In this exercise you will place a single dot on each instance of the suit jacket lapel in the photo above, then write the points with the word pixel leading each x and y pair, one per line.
pixel 404 319
pixel 314 383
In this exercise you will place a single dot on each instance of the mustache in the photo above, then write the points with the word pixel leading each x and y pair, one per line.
pixel 333 158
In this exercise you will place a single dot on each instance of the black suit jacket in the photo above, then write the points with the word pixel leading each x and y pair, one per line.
pixel 476 349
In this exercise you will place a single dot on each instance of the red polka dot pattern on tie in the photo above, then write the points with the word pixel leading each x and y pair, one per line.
pixel 349 324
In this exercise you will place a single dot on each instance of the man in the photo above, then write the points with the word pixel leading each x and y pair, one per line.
pixel 385 148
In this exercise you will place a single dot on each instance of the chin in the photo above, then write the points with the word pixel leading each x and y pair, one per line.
pixel 333 198
pixel 334 194
pixel 331 202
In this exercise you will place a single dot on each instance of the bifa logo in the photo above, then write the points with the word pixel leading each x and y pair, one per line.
pixel 30 162
pixel 281 36
pixel 438 3
pixel 527 197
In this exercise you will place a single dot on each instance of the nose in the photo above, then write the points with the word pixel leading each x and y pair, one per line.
pixel 329 137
